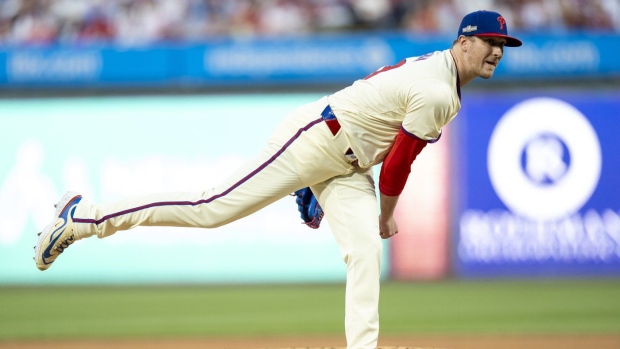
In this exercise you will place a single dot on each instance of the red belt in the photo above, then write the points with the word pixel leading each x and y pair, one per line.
pixel 330 120
pixel 334 126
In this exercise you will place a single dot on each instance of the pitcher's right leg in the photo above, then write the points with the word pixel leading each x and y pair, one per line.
pixel 262 181
pixel 303 151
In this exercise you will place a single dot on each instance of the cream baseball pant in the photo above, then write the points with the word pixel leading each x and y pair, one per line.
pixel 301 152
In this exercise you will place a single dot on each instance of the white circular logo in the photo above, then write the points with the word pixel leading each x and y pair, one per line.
pixel 544 159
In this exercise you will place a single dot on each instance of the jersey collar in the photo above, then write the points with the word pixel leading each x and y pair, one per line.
pixel 458 79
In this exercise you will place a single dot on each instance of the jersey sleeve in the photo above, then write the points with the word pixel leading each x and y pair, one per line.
pixel 397 164
pixel 428 110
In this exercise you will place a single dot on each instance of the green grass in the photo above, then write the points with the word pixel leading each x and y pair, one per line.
pixel 455 307
pixel 493 307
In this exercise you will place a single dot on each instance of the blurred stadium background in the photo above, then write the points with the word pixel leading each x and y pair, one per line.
pixel 510 226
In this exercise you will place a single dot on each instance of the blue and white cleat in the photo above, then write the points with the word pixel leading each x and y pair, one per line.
pixel 58 235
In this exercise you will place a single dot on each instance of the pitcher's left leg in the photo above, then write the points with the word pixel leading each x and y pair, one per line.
pixel 351 210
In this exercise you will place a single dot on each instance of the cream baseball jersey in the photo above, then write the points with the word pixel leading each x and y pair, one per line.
pixel 419 95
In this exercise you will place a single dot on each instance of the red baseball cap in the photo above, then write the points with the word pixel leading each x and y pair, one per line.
pixel 487 23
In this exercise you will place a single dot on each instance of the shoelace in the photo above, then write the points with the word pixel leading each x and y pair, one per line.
pixel 65 243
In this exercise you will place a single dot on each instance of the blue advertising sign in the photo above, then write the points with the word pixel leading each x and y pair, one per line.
pixel 319 59
pixel 541 191
pixel 562 56
pixel 72 66
pixel 323 59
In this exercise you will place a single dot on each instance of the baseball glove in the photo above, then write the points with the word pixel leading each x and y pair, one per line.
pixel 311 211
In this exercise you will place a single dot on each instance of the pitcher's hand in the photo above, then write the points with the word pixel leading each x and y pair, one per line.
pixel 387 227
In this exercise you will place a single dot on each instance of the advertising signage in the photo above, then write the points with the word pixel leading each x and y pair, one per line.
pixel 319 59
pixel 540 185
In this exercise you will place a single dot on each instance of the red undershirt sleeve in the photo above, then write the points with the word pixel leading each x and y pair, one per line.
pixel 397 164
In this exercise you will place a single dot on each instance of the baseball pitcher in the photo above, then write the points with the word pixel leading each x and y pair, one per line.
pixel 323 152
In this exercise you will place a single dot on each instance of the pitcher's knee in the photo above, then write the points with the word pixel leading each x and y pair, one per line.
pixel 370 251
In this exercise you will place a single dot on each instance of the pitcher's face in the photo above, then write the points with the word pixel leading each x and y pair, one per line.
pixel 483 55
